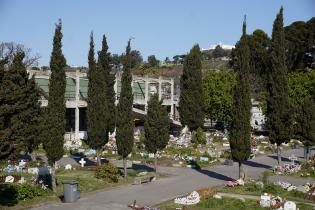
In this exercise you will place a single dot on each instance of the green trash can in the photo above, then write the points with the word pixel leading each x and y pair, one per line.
pixel 70 191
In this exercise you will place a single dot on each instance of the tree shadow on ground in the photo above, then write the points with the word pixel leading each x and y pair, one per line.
pixel 256 165
pixel 285 159
pixel 215 175
pixel 142 167
pixel 211 174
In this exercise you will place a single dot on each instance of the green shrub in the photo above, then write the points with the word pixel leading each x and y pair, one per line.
pixel 107 172
pixel 199 137
pixel 226 155
pixel 28 191
pixel 12 193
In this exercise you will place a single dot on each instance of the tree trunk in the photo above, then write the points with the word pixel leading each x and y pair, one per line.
pixel 240 170
pixel 53 178
pixel 155 163
pixel 279 155
pixel 99 163
pixel 125 167
pixel 307 152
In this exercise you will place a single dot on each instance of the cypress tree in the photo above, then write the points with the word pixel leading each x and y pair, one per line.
pixel 125 124
pixel 56 110
pixel 156 127
pixel 4 144
pixel 191 97
pixel 33 117
pixel 104 65
pixel 96 109
pixel 306 124
pixel 278 116
pixel 240 123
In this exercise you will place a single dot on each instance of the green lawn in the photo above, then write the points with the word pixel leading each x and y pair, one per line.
pixel 251 188
pixel 223 204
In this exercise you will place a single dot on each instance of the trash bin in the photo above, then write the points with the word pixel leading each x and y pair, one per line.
pixel 70 191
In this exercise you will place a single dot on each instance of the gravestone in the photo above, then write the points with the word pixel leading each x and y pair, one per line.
pixel 68 167
pixel 44 171
pixel 293 158
pixel 205 159
pixel 289 205
pixel 32 171
pixel 229 162
pixel 9 179
pixel 82 162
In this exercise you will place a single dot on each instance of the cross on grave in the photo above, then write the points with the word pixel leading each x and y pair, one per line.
pixel 82 162
pixel 292 158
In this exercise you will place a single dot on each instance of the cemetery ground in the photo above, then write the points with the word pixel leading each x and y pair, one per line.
pixel 185 168
pixel 184 180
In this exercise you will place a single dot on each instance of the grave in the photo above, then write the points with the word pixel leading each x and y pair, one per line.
pixel 293 158
pixel 204 159
pixel 82 162
pixel 9 179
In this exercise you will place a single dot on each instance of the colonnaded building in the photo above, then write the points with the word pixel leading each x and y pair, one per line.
pixel 76 95
pixel 143 88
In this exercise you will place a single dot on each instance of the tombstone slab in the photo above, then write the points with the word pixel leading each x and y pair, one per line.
pixel 9 179
pixel 68 167
pixel 289 205
pixel 32 171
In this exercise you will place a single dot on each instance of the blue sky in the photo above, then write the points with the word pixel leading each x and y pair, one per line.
pixel 160 27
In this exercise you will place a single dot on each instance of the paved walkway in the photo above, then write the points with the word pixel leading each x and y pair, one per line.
pixel 182 181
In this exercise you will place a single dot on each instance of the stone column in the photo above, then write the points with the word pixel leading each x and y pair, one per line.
pixel 116 88
pixel 77 98
pixel 172 99
pixel 146 92
pixel 160 88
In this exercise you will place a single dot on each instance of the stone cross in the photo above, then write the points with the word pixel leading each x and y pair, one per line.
pixel 293 158
pixel 82 162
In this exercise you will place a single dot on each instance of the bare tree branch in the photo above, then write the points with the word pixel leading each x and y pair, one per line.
pixel 9 49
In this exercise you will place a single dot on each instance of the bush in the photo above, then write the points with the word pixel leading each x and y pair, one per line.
pixel 107 172
pixel 199 137
pixel 10 194
pixel 226 155
pixel 28 191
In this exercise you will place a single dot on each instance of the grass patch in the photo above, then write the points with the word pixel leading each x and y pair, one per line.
pixel 252 188
pixel 223 204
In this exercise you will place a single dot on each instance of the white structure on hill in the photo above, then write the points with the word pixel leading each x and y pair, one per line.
pixel 223 46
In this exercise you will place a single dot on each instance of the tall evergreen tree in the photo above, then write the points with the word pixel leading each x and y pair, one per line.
pixel 97 104
pixel 125 124
pixel 11 95
pixel 240 123
pixel 19 109
pixel 156 127
pixel 191 102
pixel 104 64
pixel 278 117
pixel 3 144
pixel 56 110
pixel 306 124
